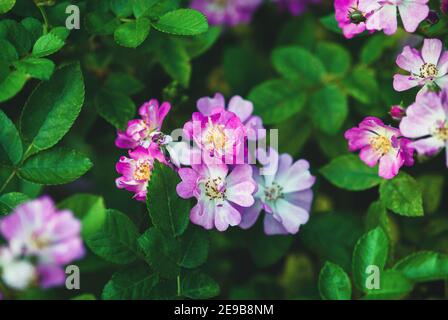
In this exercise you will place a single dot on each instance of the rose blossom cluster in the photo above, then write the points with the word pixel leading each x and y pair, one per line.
pixel 357 16
pixel 423 125
pixel 40 241
pixel 213 165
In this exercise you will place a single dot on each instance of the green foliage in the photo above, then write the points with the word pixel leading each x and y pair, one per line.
pixel 334 283
pixel 115 107
pixel 402 195
pixel 9 201
pixel 393 285
pixel 11 149
pixel 424 266
pixel 167 210
pixel 132 34
pixel 349 172
pixel 185 22
pixel 196 285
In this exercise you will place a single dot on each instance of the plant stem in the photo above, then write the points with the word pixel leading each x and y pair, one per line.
pixel 44 16
pixel 8 180
pixel 179 289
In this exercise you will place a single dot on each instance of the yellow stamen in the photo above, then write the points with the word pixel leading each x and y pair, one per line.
pixel 381 144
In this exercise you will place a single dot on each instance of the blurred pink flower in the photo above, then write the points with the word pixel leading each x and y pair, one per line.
pixel 427 121
pixel 378 142
pixel 219 193
pixel 428 68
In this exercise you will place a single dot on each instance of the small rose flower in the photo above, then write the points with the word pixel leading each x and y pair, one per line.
pixel 240 107
pixel 384 16
pixel 41 239
pixel 219 193
pixel 136 172
pixel 397 112
pixel 227 12
pixel 285 195
pixel 220 136
pixel 427 121
pixel 351 16
pixel 428 68
pixel 380 143
pixel 140 131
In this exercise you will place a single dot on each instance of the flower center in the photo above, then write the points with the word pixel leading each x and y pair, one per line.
pixel 355 16
pixel 381 144
pixel 215 137
pixel 39 242
pixel 273 192
pixel 441 133
pixel 143 171
pixel 215 189
pixel 428 70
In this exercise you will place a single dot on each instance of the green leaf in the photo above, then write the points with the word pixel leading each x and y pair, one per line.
pixel 34 28
pixel 124 83
pixel 55 166
pixel 194 246
pixel 11 149
pixel 424 266
pixel 167 210
pixel 154 8
pixel 377 217
pixel 334 283
pixel 6 5
pixel 116 107
pixel 276 100
pixel 393 285
pixel 46 45
pixel 336 58
pixel 297 63
pixel 116 240
pixel 175 60
pixel 197 45
pixel 362 85
pixel 330 23
pixel 101 23
pixel 350 173
pixel 89 208
pixel 84 296
pixel 328 109
pixel 11 200
pixel 134 283
pixel 121 8
pixel 12 85
pixel 432 189
pixel 16 34
pixel 402 195
pixel 321 237
pixel 161 252
pixel 196 285
pixel 143 7
pixel 37 68
pixel 8 52
pixel 185 22
pixel 376 45
pixel 370 250
pixel 132 34
pixel 52 108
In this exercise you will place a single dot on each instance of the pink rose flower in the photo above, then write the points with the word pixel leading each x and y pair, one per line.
pixel 41 240
pixel 384 16
pixel 351 16
pixel 284 194
pixel 219 193
pixel 140 131
pixel 428 68
pixel 380 143
pixel 397 112
pixel 427 121
pixel 243 109
pixel 136 172
pixel 220 136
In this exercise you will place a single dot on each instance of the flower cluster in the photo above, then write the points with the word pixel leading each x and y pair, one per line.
pixel 423 126
pixel 217 167
pixel 356 16
pixel 40 241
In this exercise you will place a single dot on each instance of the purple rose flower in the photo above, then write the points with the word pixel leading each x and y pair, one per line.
pixel 427 121
pixel 284 194
pixel 380 143
pixel 227 12
pixel 219 193
pixel 428 68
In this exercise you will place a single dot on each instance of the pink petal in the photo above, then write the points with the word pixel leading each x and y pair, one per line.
pixel 403 82
pixel 225 216
pixel 410 60
pixel 390 164
pixel 250 215
pixel 242 108
pixel 369 156
pixel 272 226
pixel 412 13
pixel 432 48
